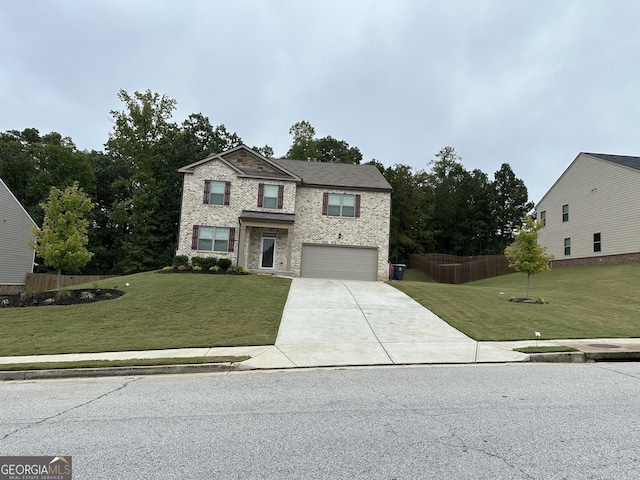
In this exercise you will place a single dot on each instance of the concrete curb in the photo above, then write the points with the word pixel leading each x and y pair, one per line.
pixel 582 357
pixel 116 371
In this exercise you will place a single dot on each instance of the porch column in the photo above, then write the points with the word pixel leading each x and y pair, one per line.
pixel 241 245
pixel 290 247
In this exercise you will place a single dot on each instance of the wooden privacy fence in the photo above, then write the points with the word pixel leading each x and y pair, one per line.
pixel 41 282
pixel 453 269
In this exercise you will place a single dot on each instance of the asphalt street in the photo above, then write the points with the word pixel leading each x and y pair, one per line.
pixel 510 421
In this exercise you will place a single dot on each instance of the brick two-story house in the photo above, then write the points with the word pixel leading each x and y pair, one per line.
pixel 307 219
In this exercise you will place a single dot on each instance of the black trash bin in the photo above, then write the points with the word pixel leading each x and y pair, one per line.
pixel 398 271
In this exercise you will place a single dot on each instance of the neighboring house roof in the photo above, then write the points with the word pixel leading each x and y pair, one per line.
pixel 623 160
pixel 310 174
pixel 342 175
pixel 13 197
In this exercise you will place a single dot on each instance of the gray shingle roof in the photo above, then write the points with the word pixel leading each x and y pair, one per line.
pixel 627 161
pixel 322 174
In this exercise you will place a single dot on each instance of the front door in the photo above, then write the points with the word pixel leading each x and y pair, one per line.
pixel 268 251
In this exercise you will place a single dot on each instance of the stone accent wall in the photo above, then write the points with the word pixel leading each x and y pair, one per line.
pixel 604 260
pixel 11 289
pixel 244 196
pixel 251 164
pixel 371 229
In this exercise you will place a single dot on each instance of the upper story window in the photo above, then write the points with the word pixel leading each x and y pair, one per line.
pixel 216 192
pixel 597 242
pixel 270 196
pixel 565 213
pixel 213 239
pixel 543 217
pixel 340 205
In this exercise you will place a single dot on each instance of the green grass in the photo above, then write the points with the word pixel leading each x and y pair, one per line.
pixel 555 349
pixel 583 302
pixel 411 275
pixel 158 311
pixel 120 363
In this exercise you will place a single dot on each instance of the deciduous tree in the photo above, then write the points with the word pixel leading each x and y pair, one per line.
pixel 525 255
pixel 63 238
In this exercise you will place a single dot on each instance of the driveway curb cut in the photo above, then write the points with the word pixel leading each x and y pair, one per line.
pixel 116 371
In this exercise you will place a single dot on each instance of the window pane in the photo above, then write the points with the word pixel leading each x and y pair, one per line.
pixel 333 210
pixel 217 193
pixel 222 233
pixel 349 201
pixel 596 237
pixel 271 191
pixel 348 211
pixel 205 238
pixel 221 246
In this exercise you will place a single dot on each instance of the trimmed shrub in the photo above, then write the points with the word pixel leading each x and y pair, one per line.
pixel 209 262
pixel 180 260
pixel 224 264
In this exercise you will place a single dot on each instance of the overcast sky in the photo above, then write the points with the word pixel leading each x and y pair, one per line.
pixel 530 82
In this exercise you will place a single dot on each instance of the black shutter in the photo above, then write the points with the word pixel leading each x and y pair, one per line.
pixel 260 195
pixel 227 192
pixel 325 202
pixel 232 239
pixel 357 214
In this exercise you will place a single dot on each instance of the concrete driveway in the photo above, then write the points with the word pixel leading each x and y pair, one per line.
pixel 348 322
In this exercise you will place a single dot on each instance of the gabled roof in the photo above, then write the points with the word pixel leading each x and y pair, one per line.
pixel 341 175
pixel 622 160
pixel 625 160
pixel 258 166
pixel 310 174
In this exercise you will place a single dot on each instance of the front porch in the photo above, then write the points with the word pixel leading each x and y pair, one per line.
pixel 265 242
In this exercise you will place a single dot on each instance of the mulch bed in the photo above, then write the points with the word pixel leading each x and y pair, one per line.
pixel 69 297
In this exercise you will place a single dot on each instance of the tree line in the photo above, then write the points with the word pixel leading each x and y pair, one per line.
pixel 136 189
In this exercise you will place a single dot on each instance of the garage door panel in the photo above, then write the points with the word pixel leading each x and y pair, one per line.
pixel 345 263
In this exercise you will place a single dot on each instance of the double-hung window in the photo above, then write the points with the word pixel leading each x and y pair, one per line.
pixel 565 213
pixel 543 217
pixel 567 246
pixel 213 239
pixel 597 242
pixel 216 192
pixel 270 196
pixel 341 205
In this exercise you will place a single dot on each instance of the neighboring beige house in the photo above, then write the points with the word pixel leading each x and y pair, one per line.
pixel 592 212
pixel 16 257
pixel 308 219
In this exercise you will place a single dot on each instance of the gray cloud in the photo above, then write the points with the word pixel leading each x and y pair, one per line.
pixel 529 83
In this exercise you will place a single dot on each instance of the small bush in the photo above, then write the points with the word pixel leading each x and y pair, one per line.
pixel 63 294
pixel 197 268
pixel 215 268
pixel 179 260
pixel 197 261
pixel 224 264
pixel 28 294
pixel 86 295
pixel 209 262
pixel 182 268
pixel 167 269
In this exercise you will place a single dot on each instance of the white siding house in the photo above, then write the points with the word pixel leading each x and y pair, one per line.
pixel 592 212
pixel 293 217
pixel 16 256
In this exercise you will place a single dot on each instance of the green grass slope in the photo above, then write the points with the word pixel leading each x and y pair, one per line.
pixel 158 311
pixel 583 302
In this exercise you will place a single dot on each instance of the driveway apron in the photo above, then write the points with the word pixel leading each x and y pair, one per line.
pixel 348 322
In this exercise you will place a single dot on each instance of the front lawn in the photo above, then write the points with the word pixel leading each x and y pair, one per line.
pixel 157 311
pixel 583 302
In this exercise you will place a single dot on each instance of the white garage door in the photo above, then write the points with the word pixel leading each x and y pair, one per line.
pixel 345 263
